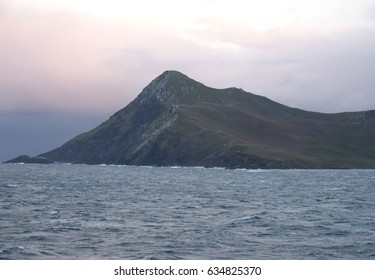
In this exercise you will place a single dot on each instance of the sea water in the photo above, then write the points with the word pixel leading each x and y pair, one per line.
pixel 122 212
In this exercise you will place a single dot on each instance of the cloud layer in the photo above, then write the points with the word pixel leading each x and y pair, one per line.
pixel 67 60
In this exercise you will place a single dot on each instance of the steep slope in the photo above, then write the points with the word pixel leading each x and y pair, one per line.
pixel 178 121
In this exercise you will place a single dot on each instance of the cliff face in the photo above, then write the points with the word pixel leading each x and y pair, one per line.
pixel 178 121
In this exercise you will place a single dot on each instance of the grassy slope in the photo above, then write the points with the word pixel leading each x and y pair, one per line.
pixel 244 127
pixel 228 127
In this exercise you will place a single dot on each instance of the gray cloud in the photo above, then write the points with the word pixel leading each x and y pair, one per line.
pixel 33 133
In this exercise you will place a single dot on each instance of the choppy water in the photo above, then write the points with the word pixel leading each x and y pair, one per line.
pixel 121 212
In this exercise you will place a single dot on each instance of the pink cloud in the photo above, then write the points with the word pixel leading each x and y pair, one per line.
pixel 72 62
pixel 57 60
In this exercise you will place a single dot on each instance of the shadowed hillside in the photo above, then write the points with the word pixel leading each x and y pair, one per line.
pixel 178 121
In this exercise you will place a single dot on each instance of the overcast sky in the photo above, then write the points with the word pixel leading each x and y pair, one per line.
pixel 67 65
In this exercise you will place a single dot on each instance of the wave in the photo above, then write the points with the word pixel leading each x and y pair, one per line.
pixel 10 185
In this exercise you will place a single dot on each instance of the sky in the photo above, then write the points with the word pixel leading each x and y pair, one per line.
pixel 67 65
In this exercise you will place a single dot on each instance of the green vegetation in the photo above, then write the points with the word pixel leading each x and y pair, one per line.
pixel 178 121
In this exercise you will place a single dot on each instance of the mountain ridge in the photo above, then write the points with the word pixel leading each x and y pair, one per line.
pixel 176 120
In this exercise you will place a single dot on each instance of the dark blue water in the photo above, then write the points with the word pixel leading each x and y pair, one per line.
pixel 119 212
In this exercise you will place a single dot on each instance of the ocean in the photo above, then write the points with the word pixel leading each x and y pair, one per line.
pixel 100 212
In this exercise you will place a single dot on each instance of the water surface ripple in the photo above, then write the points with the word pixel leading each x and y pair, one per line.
pixel 122 212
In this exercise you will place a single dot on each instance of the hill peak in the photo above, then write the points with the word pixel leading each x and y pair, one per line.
pixel 173 74
pixel 170 83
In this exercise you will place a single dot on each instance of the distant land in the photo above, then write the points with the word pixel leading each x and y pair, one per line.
pixel 176 121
